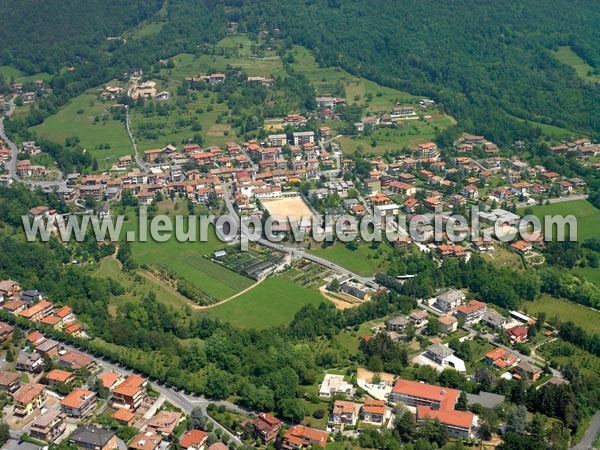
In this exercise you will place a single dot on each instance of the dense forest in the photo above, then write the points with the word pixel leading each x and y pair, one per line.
pixel 488 63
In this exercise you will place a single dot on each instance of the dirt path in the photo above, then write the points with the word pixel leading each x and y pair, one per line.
pixel 162 285
pixel 150 276
pixel 339 304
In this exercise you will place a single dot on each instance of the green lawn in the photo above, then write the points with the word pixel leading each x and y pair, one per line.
pixel 588 216
pixel 136 288
pixel 567 56
pixel 77 118
pixel 550 130
pixel 415 132
pixel 566 310
pixel 187 260
pixel 12 72
pixel 274 302
pixel 363 261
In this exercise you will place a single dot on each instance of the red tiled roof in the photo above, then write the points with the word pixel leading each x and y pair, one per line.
pixel 447 397
pixel 455 418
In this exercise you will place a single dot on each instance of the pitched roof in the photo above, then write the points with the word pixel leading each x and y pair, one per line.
pixel 455 418
pixel 61 376
pixel 76 360
pixel 76 398
pixel 108 379
pixel 132 384
pixel 7 378
pixel 447 397
pixel 91 436
pixel 193 437
pixel 28 392
pixel 123 414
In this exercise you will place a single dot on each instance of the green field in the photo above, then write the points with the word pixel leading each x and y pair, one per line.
pixel 565 311
pixel 135 289
pixel 357 89
pixel 274 302
pixel 364 261
pixel 13 73
pixel 187 260
pixel 588 216
pixel 567 56
pixel 77 118
pixel 550 130
pixel 415 132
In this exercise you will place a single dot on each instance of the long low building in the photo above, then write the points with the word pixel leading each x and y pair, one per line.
pixel 434 402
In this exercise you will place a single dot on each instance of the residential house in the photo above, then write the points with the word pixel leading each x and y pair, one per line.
pixel 88 437
pixel 10 382
pixel 79 403
pixel 6 332
pixel 343 413
pixel 494 319
pixel 193 439
pixel 31 296
pixel 448 324
pixel 124 416
pixel 334 384
pixel 500 358
pixel 38 311
pixel 397 323
pixel 449 299
pixel 9 288
pixel 373 411
pixel 372 185
pixel 164 422
pixel 110 380
pixel 57 376
pixel 418 317
pixel 29 398
pixel 522 246
pixel 266 427
pixel 75 361
pixel 299 436
pixel 427 150
pixel 528 371
pixel 130 393
pixel 48 426
pixel 145 440
pixel 304 137
pixel 30 362
pixel 49 348
pixel 472 311
pixel 517 334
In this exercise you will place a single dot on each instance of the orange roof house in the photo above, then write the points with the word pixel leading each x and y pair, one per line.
pixel 299 436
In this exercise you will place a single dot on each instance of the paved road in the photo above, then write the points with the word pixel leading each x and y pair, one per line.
pixel 568 198
pixel 136 155
pixel 185 402
pixel 587 443
pixel 12 164
pixel 295 252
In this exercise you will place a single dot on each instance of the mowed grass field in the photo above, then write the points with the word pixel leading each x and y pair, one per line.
pixel 565 310
pixel 187 260
pixel 363 261
pixel 588 216
pixel 567 56
pixel 273 302
pixel 77 118
pixel 10 72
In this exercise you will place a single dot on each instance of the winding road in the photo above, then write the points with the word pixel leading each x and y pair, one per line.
pixel 59 183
